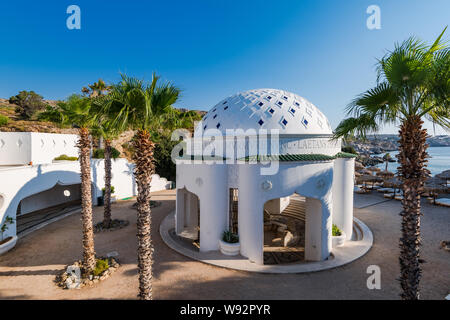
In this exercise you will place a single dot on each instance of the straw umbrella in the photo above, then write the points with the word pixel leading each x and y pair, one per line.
pixel 365 171
pixel 374 169
pixel 444 175
pixel 434 185
pixel 385 174
pixel 394 182
pixel 370 178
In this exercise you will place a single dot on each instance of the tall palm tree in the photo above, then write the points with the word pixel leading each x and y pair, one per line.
pixel 96 89
pixel 139 106
pixel 106 130
pixel 413 83
pixel 77 111
pixel 387 157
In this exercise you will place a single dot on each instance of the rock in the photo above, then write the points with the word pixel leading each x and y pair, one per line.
pixel 290 240
pixel 112 254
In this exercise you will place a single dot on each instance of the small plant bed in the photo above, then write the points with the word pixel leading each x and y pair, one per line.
pixel 114 225
pixel 153 204
pixel 74 277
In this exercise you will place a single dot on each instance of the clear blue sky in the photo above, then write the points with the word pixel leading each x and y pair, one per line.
pixel 321 50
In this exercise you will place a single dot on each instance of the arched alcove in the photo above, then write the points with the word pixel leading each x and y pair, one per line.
pixel 46 205
pixel 284 229
pixel 188 216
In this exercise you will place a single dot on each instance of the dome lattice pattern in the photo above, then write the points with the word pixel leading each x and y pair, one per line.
pixel 265 109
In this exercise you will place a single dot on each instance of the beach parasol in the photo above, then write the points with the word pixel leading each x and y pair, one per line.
pixel 434 185
pixel 385 174
pixel 370 178
pixel 394 182
pixel 365 171
pixel 374 169
pixel 444 175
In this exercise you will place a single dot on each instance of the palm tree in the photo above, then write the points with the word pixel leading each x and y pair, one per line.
pixel 387 157
pixel 413 83
pixel 140 106
pixel 108 132
pixel 96 89
pixel 77 111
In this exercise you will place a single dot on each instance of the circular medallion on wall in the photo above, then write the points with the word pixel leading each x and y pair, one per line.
pixel 266 185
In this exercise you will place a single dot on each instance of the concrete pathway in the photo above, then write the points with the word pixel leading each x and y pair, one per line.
pixel 28 270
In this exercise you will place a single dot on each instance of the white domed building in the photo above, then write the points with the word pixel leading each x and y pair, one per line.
pixel 254 158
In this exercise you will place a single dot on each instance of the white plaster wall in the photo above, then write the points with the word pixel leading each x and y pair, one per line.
pixel 17 183
pixel 15 148
pixel 313 180
pixel 19 148
pixel 343 194
pixel 245 145
pixel 209 183
pixel 47 146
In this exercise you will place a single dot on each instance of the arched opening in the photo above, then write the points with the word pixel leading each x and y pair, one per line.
pixel 47 205
pixel 188 217
pixel 284 230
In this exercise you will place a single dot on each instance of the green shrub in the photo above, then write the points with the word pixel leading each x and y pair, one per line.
pixel 336 231
pixel 112 190
pixel 66 157
pixel 230 237
pixel 349 149
pixel 100 153
pixel 3 120
pixel 51 114
pixel 100 266
pixel 28 103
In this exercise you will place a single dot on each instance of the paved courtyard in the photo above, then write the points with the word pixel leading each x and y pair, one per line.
pixel 27 271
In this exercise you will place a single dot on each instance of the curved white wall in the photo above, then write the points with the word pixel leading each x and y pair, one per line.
pixel 17 183
pixel 209 182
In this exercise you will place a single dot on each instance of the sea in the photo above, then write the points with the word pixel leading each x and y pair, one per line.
pixel 439 160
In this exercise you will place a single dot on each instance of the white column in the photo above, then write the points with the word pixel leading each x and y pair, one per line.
pixel 250 215
pixel 317 230
pixel 213 195
pixel 343 183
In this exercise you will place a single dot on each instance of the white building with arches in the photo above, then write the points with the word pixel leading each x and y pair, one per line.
pixel 251 156
pixel 35 189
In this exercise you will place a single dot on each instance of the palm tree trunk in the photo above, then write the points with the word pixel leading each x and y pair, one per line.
pixel 412 159
pixel 143 158
pixel 107 195
pixel 86 201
